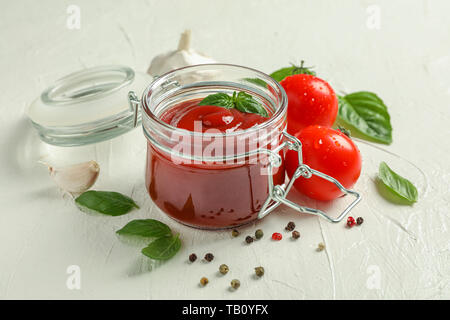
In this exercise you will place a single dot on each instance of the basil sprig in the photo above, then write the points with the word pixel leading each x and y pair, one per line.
pixel 397 184
pixel 241 101
pixel 105 202
pixel 366 114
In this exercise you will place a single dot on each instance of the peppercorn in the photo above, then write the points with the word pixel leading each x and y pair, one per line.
pixel 277 236
pixel 290 226
pixel 259 271
pixel 359 221
pixel 223 269
pixel 209 257
pixel 350 222
pixel 249 239
pixel 204 281
pixel 192 257
pixel 320 246
pixel 235 283
pixel 295 234
pixel 259 234
pixel 235 233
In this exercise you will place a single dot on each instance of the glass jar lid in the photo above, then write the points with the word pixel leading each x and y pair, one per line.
pixel 88 106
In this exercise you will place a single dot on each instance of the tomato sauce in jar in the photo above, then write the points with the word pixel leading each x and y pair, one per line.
pixel 204 193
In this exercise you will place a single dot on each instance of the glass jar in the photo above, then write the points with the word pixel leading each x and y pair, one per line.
pixel 189 181
pixel 216 180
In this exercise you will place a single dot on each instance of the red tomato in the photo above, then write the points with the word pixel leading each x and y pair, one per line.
pixel 311 101
pixel 331 152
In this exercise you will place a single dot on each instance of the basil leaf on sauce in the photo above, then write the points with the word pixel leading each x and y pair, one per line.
pixel 246 103
pixel 145 228
pixel 241 101
pixel 367 115
pixel 105 202
pixel 220 99
pixel 163 248
pixel 396 184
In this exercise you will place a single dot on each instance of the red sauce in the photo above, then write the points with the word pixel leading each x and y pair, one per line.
pixel 206 195
pixel 185 114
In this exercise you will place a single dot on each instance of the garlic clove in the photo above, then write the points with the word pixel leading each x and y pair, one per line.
pixel 182 57
pixel 76 178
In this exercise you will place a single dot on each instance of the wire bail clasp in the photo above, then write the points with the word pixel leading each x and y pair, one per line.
pixel 134 102
pixel 278 193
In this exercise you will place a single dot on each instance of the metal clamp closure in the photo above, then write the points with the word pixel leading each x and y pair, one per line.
pixel 134 102
pixel 278 193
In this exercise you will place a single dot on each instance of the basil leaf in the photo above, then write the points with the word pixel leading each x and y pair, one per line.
pixel 106 202
pixel 246 103
pixel 218 99
pixel 397 184
pixel 241 101
pixel 282 73
pixel 163 248
pixel 367 114
pixel 145 228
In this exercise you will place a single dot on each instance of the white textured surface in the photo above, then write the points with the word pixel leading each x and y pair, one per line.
pixel 407 62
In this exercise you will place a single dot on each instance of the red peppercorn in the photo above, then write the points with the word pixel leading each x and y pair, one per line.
pixel 277 236
pixel 350 222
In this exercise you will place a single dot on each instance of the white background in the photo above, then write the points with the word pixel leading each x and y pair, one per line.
pixel 399 252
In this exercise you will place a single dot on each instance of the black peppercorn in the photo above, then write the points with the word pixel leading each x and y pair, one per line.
pixel 209 257
pixel 259 234
pixel 235 233
pixel 290 226
pixel 192 257
pixel 295 234
pixel 359 221
pixel 249 239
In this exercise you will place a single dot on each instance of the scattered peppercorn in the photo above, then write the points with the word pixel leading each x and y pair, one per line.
pixel 235 233
pixel 350 222
pixel 259 271
pixel 249 239
pixel 359 221
pixel 235 283
pixel 320 246
pixel 192 257
pixel 259 234
pixel 223 269
pixel 290 226
pixel 295 234
pixel 277 236
pixel 209 257
pixel 204 281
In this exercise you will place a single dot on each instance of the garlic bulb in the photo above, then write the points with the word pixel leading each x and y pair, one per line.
pixel 182 57
pixel 76 178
